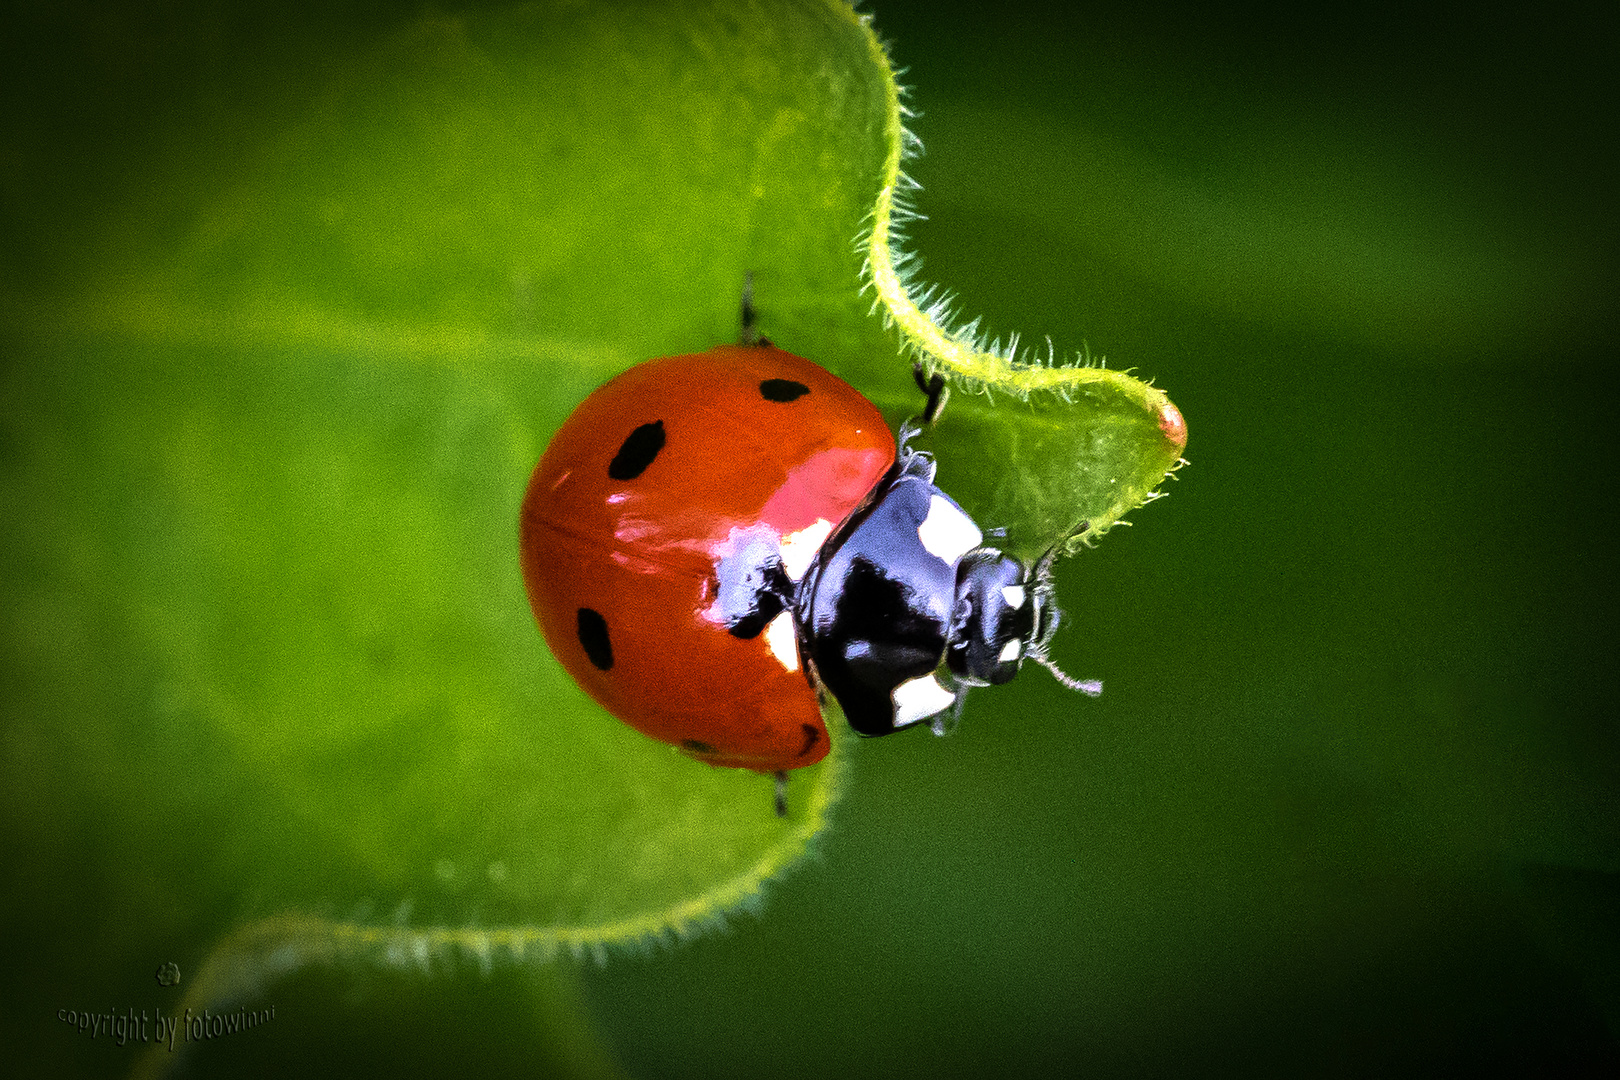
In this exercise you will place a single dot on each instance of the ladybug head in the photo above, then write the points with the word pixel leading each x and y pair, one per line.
pixel 1004 613
pixel 994 620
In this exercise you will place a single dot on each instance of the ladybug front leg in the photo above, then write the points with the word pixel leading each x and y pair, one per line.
pixel 936 390
pixel 781 793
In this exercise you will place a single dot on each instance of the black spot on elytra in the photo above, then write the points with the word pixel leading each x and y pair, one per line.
pixel 593 638
pixel 782 390
pixel 638 451
pixel 693 746
pixel 811 737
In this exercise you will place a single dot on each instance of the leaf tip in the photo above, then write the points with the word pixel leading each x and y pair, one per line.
pixel 1173 425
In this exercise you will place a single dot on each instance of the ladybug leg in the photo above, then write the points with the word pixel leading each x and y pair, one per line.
pixel 936 390
pixel 944 723
pixel 750 334
pixel 781 793
pixel 934 387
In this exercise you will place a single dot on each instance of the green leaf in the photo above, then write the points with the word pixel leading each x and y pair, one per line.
pixel 1067 468
pixel 270 645
pixel 270 658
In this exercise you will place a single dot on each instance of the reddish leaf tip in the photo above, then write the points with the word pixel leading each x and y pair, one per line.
pixel 1173 425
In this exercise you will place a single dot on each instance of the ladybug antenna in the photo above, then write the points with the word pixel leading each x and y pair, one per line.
pixel 750 318
pixel 1088 687
pixel 1050 616
pixel 781 793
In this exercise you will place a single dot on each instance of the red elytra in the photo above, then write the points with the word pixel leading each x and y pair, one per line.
pixel 641 502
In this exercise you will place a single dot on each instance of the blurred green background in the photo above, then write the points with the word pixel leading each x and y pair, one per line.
pixel 1348 805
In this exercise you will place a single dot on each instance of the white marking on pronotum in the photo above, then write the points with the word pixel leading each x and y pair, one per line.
pixel 1014 595
pixel 781 640
pixel 918 699
pixel 798 548
pixel 1010 651
pixel 947 533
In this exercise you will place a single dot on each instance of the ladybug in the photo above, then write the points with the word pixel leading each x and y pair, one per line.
pixel 713 542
